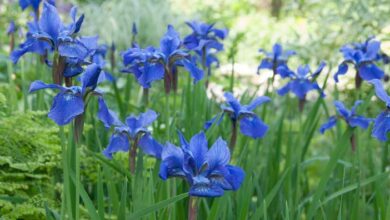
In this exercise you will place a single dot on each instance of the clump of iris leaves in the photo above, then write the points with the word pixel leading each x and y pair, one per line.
pixel 204 150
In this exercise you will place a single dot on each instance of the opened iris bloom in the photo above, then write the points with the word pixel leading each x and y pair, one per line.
pixel 127 137
pixel 71 102
pixel 152 64
pixel 276 58
pixel 207 171
pixel 382 121
pixel 34 4
pixel 204 37
pixel 302 81
pixel 49 34
pixel 349 116
pixel 362 57
pixel 250 124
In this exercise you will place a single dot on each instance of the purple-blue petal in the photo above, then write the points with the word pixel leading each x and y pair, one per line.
pixel 66 106
pixel 150 146
pixel 369 71
pixel 329 124
pixel 118 142
pixel 253 127
pixel 381 126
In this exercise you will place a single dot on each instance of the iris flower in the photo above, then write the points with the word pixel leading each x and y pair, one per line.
pixel 276 58
pixel 349 116
pixel 11 28
pixel 135 132
pixel 207 171
pixel 71 102
pixel 204 37
pixel 152 64
pixel 250 124
pixel 302 81
pixel 382 121
pixel 362 57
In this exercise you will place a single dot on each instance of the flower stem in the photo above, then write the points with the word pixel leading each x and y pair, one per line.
pixel 302 104
pixel 167 80
pixel 358 80
pixel 353 142
pixel 145 97
pixel 78 128
pixel 233 138
pixel 132 155
pixel 192 208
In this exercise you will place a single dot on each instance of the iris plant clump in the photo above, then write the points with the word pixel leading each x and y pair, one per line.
pixel 349 116
pixel 363 57
pixel 151 64
pixel 207 170
pixel 205 41
pixel 50 35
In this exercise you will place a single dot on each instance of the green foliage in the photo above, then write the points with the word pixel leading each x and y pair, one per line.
pixel 29 164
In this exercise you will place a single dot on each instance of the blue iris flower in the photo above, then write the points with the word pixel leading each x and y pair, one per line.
pixel 206 170
pixel 362 56
pixel 11 28
pixel 33 3
pixel 134 133
pixel 250 124
pixel 151 64
pixel 50 34
pixel 204 37
pixel 276 58
pixel 302 81
pixel 71 102
pixel 349 116
pixel 382 121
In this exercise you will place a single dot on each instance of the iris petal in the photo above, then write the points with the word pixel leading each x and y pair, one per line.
pixel 66 106
pixel 253 127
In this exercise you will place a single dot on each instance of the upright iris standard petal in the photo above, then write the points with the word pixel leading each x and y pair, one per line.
pixel 118 142
pixel 234 104
pixel 147 118
pixel 253 127
pixel 91 76
pixel 198 149
pixel 50 22
pixel 218 155
pixel 66 106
